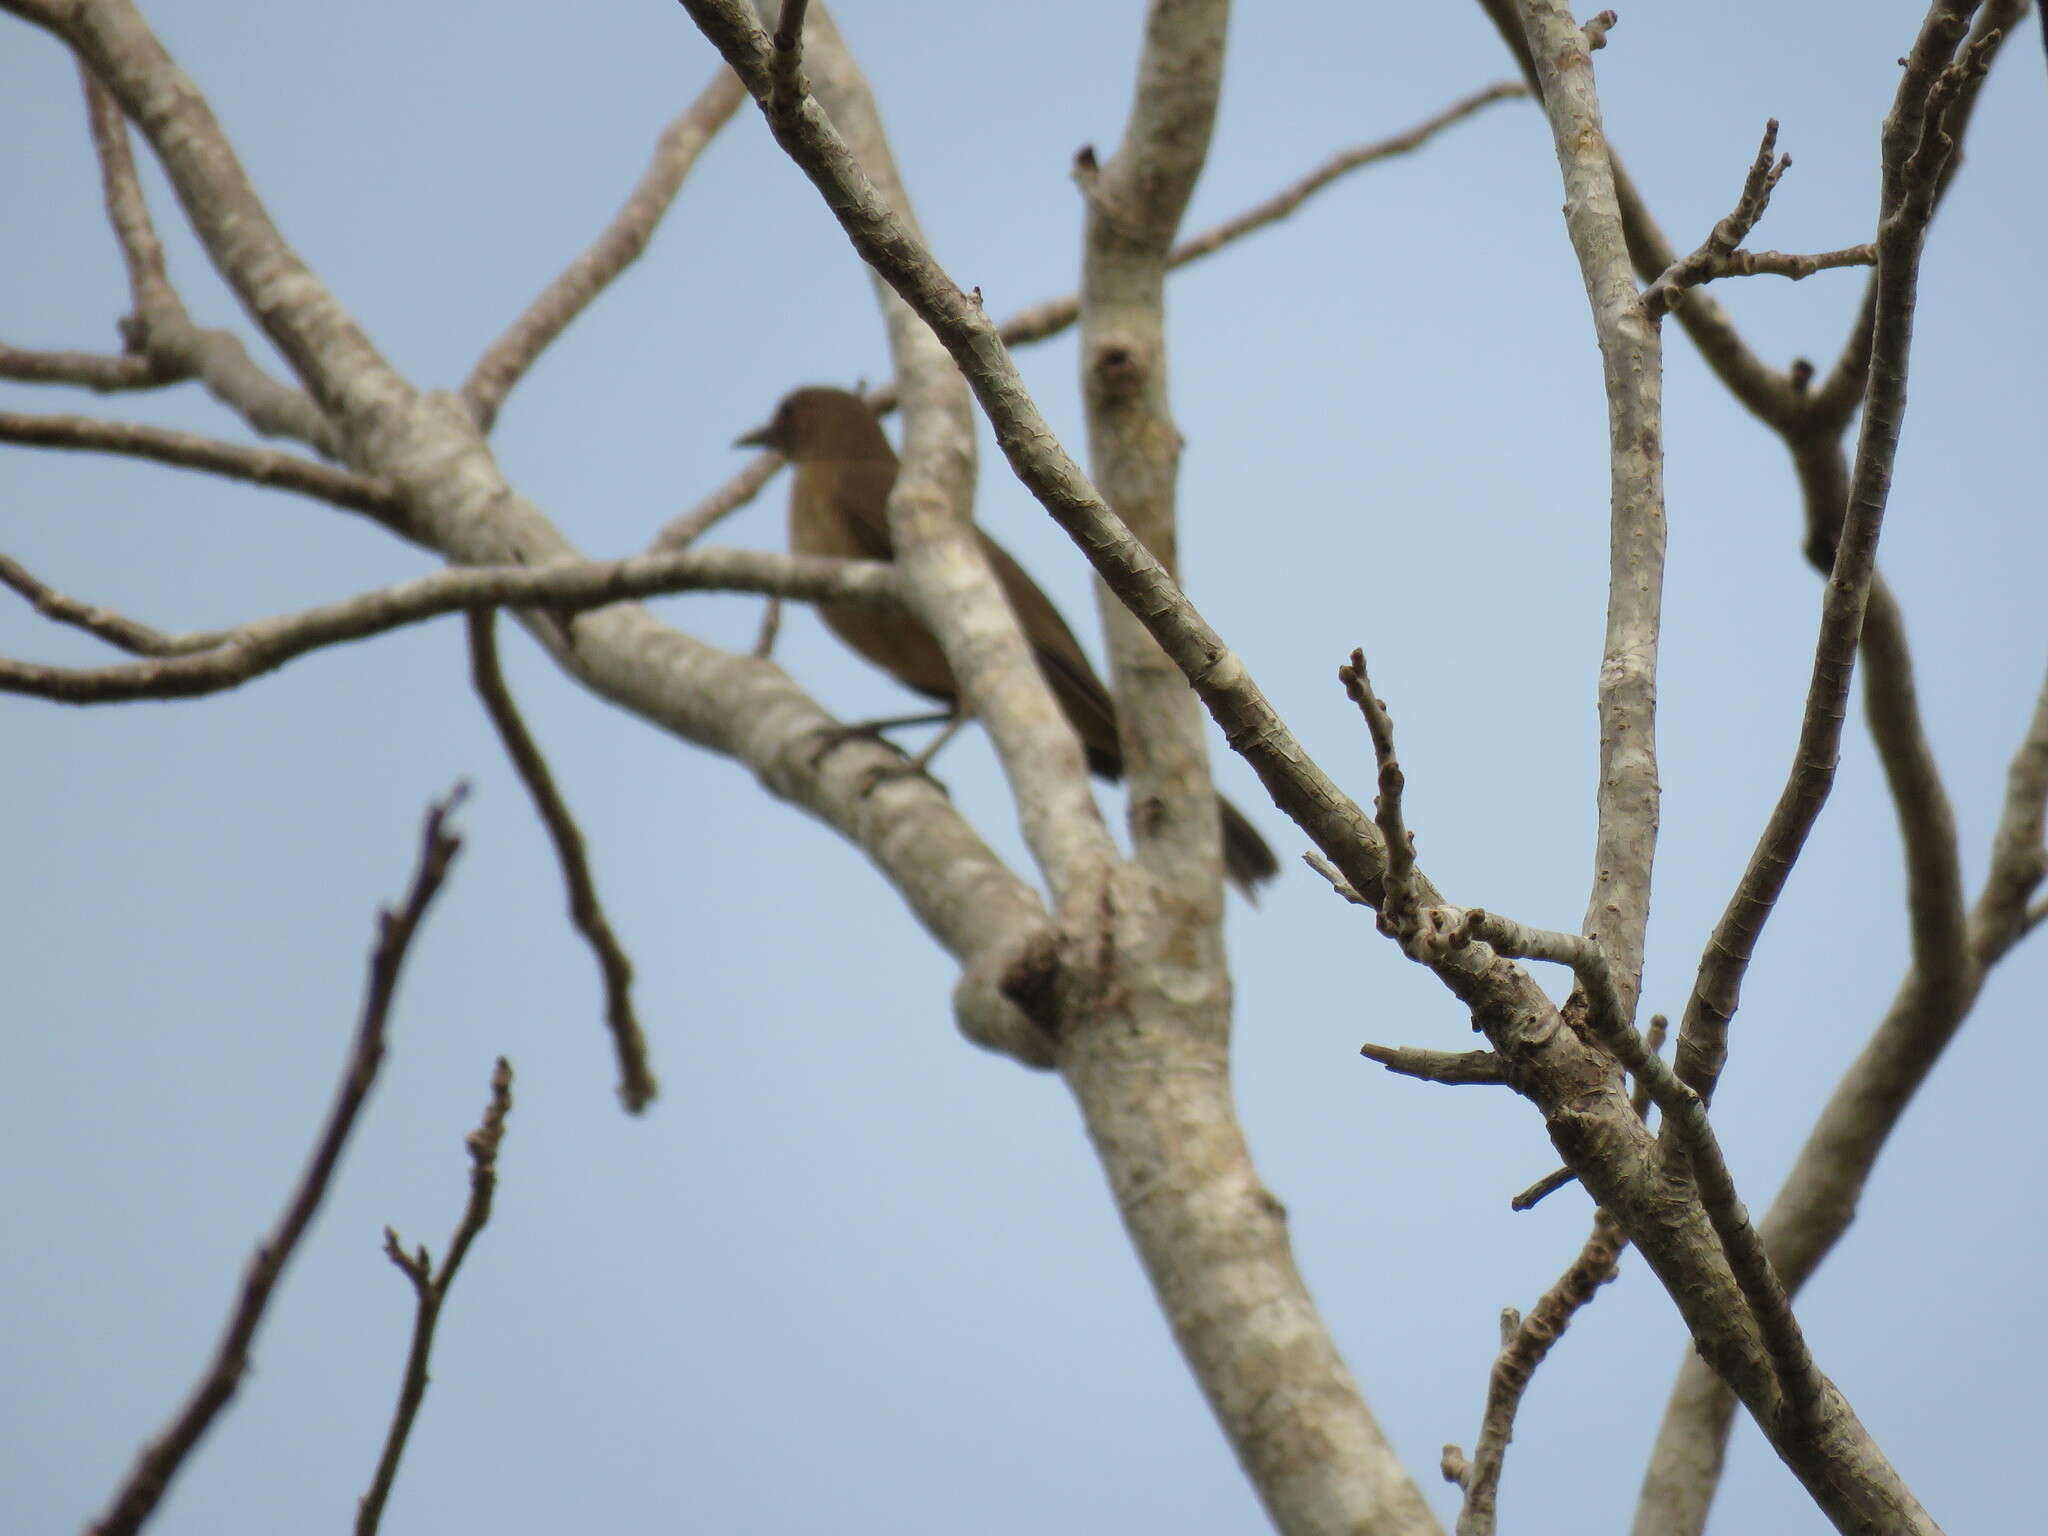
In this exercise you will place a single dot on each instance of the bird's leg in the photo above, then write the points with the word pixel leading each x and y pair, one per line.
pixel 872 730
pixel 771 623
pixel 834 737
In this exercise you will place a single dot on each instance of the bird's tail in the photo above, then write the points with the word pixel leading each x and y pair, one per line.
pixel 1247 858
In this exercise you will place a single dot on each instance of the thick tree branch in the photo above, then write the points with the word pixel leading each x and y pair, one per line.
pixel 1133 207
pixel 161 1459
pixel 185 666
pixel 618 247
pixel 1632 364
pixel 430 1290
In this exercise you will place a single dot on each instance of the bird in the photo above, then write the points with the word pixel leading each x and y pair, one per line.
pixel 844 469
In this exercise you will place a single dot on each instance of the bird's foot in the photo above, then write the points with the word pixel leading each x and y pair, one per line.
pixel 834 737
pixel 911 767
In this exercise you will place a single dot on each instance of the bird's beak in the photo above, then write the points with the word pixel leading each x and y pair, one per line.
pixel 758 438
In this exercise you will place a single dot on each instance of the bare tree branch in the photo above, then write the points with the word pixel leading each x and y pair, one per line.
pixel 1133 205
pixel 185 666
pixel 160 1461
pixel 1525 1341
pixel 116 629
pixel 232 461
pixel 159 328
pixel 1720 255
pixel 637 1085
pixel 430 1288
pixel 2019 861
pixel 1457 1068
pixel 103 373
pixel 618 247
pixel 1927 824
pixel 1685 1118
pixel 427 444
pixel 1639 1101
pixel 1543 1189
pixel 1632 365
pixel 1915 150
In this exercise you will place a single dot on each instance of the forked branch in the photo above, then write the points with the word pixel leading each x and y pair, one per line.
pixel 160 1461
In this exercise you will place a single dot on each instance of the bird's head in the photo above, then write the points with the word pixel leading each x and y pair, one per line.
pixel 817 422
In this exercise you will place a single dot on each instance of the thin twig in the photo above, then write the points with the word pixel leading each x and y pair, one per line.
pixel 1400 844
pixel 162 1458
pixel 771 626
pixel 232 461
pixel 430 1289
pixel 1524 1344
pixel 683 531
pixel 1331 873
pixel 142 253
pixel 190 665
pixel 637 1085
pixel 1721 242
pixel 116 629
pixel 1542 1189
pixel 618 247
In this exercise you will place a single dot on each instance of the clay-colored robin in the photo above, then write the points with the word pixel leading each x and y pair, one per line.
pixel 844 469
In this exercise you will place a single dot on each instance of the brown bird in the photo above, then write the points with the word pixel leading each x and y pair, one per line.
pixel 844 469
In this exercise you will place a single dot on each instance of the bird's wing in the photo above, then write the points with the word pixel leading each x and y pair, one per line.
pixel 860 496
pixel 1079 691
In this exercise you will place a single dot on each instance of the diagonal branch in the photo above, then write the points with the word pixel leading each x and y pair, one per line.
pixel 1632 366
pixel 430 1290
pixel 185 666
pixel 618 247
pixel 1915 151
pixel 1685 1117
pixel 159 329
pixel 637 1085
pixel 232 461
pixel 162 1458
pixel 1525 1341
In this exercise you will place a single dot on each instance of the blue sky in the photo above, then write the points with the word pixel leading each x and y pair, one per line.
pixel 850 1273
